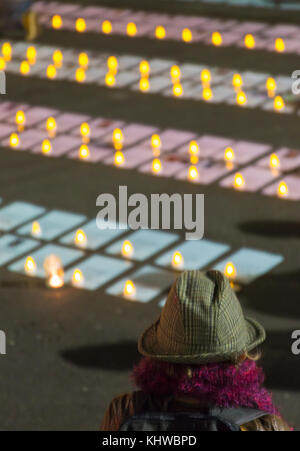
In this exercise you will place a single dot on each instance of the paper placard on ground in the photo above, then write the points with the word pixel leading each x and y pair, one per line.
pixel 67 256
pixel 255 178
pixel 17 213
pixel 293 184
pixel 61 145
pixel 254 99
pixel 156 84
pixel 95 237
pixel 12 247
pixel 96 154
pixel 99 127
pixel 220 93
pixel 35 115
pixel 97 271
pixel 6 130
pixel 253 79
pixel 289 159
pixel 9 109
pixel 196 254
pixel 250 264
pixel 288 108
pixel 54 224
pixel 170 166
pixel 161 65
pixel 134 133
pixel 188 90
pixel 27 140
pixel 127 61
pixel 67 121
pixel 171 139
pixel 146 243
pixel 133 158
pixel 244 152
pixel 209 171
pixel 208 145
pixel 149 283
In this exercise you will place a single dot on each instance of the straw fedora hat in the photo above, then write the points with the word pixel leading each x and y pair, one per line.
pixel 201 322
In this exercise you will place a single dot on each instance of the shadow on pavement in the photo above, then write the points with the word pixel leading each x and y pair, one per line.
pixel 108 356
pixel 272 229
pixel 281 367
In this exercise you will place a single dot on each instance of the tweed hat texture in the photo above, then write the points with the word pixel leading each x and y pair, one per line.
pixel 201 322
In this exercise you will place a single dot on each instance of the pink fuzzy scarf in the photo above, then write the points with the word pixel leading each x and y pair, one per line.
pixel 220 384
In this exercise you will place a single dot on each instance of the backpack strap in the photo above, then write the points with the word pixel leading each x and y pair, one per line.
pixel 237 416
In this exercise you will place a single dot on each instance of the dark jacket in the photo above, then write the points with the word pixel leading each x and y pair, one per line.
pixel 125 406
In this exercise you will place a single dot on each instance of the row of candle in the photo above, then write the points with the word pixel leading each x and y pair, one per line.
pixel 160 33
pixel 118 140
pixel 145 71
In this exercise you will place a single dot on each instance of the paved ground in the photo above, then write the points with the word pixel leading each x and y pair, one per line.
pixel 70 352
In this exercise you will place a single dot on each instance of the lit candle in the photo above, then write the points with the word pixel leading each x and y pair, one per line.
pixel 237 81
pixel 177 260
pixel 119 159
pixel 83 60
pixel 31 55
pixel 144 68
pixel 129 289
pixel 283 190
pixel 80 25
pixel 54 272
pixel 249 41
pixel 85 132
pixel 187 35
pixel 30 266
pixel 241 98
pixel 106 27
pixel 274 161
pixel 175 73
pixel 194 148
pixel 205 76
pixel 84 152
pixel 279 104
pixel 229 154
pixel 193 173
pixel 160 32
pixel 6 50
pixel 57 59
pixel 230 271
pixel 207 94
pixel 131 29
pixel 279 45
pixel 77 278
pixel 144 84
pixel 112 64
pixel 14 140
pixel 51 72
pixel 24 68
pixel 110 80
pixel 239 181
pixel 20 120
pixel 217 39
pixel 177 90
pixel 80 238
pixel 46 146
pixel 156 166
pixel 127 249
pixel 36 229
pixel 118 138
pixel 57 22
pixel 51 127
pixel 80 75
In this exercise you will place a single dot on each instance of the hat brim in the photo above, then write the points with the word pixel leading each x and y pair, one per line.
pixel 149 346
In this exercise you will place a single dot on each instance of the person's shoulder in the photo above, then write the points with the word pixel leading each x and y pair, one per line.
pixel 271 423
